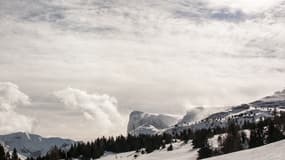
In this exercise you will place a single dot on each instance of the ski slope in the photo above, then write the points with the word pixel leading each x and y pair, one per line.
pixel 273 151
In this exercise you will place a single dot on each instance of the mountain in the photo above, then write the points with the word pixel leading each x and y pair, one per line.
pixel 191 115
pixel 32 145
pixel 198 113
pixel 275 100
pixel 144 123
pixel 273 151
pixel 149 123
pixel 241 114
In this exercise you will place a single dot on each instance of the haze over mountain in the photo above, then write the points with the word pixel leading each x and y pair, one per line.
pixel 147 123
pixel 141 123
pixel 31 145
pixel 72 63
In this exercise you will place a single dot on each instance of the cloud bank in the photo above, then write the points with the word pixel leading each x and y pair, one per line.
pixel 100 109
pixel 151 55
pixel 10 120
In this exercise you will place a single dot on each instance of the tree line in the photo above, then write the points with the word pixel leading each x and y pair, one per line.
pixel 263 132
pixel 95 149
pixel 7 156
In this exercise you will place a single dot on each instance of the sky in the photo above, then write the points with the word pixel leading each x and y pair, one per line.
pixel 77 68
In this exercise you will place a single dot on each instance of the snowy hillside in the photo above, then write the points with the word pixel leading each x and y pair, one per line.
pixel 31 145
pixel 145 123
pixel 181 151
pixel 148 123
pixel 273 151
pixel 240 114
pixel 192 115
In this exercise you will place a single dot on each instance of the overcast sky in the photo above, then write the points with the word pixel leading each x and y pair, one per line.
pixel 77 68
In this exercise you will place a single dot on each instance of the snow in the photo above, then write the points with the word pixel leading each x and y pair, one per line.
pixel 240 114
pixel 145 130
pixel 143 123
pixel 181 151
pixel 273 151
pixel 150 123
pixel 214 142
pixel 33 145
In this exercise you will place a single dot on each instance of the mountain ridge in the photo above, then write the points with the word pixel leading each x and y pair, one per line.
pixel 243 113
pixel 149 123
pixel 33 145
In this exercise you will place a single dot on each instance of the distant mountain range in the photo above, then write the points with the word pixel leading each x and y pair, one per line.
pixel 147 123
pixel 32 145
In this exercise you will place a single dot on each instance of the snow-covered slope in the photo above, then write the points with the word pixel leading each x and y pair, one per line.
pixel 273 151
pixel 181 152
pixel 199 113
pixel 191 115
pixel 149 123
pixel 240 114
pixel 31 145
pixel 251 112
pixel 145 123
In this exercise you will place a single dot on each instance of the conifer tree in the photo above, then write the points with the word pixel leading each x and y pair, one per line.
pixel 2 153
pixel 200 138
pixel 14 154
pixel 7 156
pixel 232 141
pixel 170 147
pixel 257 136
pixel 274 134
pixel 205 151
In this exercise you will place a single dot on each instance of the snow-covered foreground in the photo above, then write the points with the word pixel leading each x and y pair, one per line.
pixel 181 151
pixel 274 151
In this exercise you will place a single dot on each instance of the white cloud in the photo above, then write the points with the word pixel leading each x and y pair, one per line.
pixel 245 5
pixel 10 96
pixel 100 109
pixel 150 55
pixel 10 120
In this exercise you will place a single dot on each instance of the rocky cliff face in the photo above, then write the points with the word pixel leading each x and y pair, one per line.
pixel 148 123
